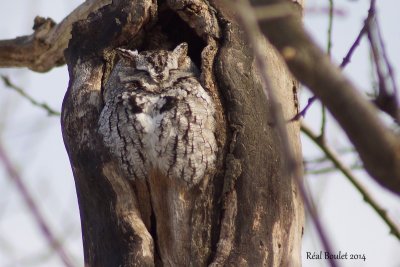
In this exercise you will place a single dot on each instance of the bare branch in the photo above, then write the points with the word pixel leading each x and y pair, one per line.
pixel 329 51
pixel 330 169
pixel 330 28
pixel 386 100
pixel 367 21
pixel 44 49
pixel 324 159
pixel 345 61
pixel 378 147
pixel 19 90
pixel 352 179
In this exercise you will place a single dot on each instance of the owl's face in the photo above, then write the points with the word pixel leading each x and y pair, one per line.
pixel 159 64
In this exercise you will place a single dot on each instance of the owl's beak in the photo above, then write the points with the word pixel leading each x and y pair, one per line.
pixel 159 78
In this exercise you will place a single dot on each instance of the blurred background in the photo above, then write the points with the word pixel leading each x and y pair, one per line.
pixel 32 140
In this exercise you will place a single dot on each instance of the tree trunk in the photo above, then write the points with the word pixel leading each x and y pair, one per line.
pixel 249 213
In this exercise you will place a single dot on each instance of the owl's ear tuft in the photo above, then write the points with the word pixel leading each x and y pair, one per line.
pixel 180 52
pixel 131 55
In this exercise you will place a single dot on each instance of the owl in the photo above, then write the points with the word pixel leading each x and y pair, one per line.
pixel 158 117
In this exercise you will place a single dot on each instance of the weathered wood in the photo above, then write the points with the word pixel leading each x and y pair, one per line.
pixel 44 49
pixel 248 213
pixel 269 212
pixel 113 231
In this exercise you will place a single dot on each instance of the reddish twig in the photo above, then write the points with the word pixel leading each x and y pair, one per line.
pixel 346 59
pixel 43 226
pixel 386 100
pixel 387 62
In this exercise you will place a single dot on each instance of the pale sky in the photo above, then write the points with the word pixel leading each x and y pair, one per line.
pixel 35 145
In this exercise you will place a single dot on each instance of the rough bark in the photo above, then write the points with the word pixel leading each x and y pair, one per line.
pixel 42 51
pixel 113 231
pixel 261 218
pixel 267 233
pixel 249 213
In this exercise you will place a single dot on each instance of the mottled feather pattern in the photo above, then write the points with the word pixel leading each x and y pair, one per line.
pixel 157 116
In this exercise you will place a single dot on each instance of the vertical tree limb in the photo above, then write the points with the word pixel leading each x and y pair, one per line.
pixel 113 232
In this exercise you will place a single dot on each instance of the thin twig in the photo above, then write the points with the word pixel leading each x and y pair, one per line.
pixel 367 22
pixel 322 10
pixel 346 59
pixel 34 209
pixel 322 159
pixel 323 121
pixel 9 84
pixel 346 172
pixel 330 169
pixel 246 15
pixel 330 28
pixel 386 59
pixel 377 60
pixel 386 99
pixel 305 109
pixel 329 52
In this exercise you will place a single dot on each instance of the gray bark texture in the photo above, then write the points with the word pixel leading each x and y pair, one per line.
pixel 250 212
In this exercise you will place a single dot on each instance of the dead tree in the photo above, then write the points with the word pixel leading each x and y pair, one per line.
pixel 250 212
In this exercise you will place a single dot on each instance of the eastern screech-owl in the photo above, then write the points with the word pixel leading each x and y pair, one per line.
pixel 157 116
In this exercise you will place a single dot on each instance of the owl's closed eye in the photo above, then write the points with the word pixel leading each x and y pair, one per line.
pixel 158 64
